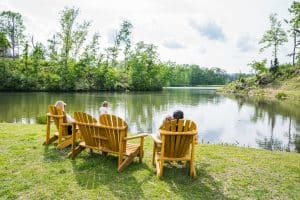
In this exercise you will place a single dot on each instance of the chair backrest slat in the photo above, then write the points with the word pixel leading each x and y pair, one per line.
pixel 176 142
pixel 89 133
pixel 56 111
pixel 115 135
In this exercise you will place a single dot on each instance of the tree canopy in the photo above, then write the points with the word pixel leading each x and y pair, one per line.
pixel 74 60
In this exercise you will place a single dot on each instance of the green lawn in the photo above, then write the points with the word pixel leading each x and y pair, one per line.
pixel 29 170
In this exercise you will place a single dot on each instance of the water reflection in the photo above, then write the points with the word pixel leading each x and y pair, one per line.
pixel 288 115
pixel 253 122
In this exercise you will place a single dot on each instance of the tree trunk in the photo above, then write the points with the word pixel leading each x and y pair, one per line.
pixel 275 52
pixel 13 38
pixel 294 48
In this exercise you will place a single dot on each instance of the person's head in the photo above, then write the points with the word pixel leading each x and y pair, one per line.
pixel 168 118
pixel 178 114
pixel 60 104
pixel 105 104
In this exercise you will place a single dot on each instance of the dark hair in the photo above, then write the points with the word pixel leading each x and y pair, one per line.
pixel 178 114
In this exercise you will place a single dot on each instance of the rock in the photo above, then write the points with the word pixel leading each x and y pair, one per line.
pixel 264 80
pixel 240 86
pixel 297 72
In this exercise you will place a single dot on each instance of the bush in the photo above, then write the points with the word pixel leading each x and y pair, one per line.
pixel 42 119
pixel 281 95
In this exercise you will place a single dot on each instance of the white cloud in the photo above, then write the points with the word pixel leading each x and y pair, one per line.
pixel 209 29
pixel 172 44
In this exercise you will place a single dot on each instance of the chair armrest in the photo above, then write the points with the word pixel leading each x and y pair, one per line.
pixel 155 139
pixel 136 136
pixel 121 128
pixel 194 132
pixel 59 116
pixel 66 124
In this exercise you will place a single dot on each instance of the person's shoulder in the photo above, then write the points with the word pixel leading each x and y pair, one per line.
pixel 103 108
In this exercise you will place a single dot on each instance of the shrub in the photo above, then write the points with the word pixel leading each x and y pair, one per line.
pixel 281 95
pixel 42 119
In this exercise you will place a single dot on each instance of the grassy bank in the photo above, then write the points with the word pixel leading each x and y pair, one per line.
pixel 283 85
pixel 29 170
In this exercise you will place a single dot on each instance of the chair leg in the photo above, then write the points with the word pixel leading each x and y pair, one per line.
pixel 60 135
pixel 47 131
pixel 192 169
pixel 127 161
pixel 64 144
pixel 141 155
pixel 50 140
pixel 157 162
pixel 153 154
pixel 159 165
pixel 76 151
pixel 141 150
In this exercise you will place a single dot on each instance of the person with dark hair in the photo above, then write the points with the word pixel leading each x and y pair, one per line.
pixel 178 114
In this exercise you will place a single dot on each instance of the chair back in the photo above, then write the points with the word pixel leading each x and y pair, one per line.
pixel 88 129
pixel 56 114
pixel 115 130
pixel 177 137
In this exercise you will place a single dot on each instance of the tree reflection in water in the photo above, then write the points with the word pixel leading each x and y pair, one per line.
pixel 271 108
pixel 255 122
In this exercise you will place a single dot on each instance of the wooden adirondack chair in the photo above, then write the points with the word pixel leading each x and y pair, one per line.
pixel 59 118
pixel 177 143
pixel 86 139
pixel 110 136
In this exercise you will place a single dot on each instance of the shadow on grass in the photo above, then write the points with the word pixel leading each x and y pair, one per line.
pixel 138 180
pixel 204 186
pixel 51 154
pixel 95 171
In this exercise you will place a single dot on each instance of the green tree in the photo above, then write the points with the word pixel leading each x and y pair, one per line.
pixel 121 36
pixel 4 44
pixel 259 66
pixel 25 58
pixel 79 37
pixel 274 37
pixel 124 36
pixel 71 38
pixel 295 28
pixel 11 24
pixel 90 55
pixel 53 48
pixel 146 72
pixel 67 22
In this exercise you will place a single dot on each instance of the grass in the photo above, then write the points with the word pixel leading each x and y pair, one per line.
pixel 29 170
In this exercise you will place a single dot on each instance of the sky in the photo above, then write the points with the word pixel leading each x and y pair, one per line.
pixel 209 33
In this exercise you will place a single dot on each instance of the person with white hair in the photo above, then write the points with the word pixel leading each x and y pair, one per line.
pixel 61 105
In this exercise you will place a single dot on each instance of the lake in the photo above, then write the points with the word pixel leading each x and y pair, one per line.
pixel 242 121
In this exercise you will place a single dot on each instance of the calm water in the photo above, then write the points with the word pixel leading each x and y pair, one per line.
pixel 250 122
